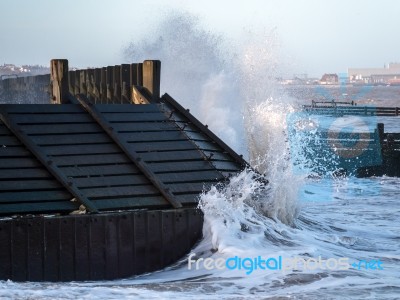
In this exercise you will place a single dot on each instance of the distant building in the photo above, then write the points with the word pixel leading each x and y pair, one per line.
pixel 25 70
pixel 385 75
pixel 329 79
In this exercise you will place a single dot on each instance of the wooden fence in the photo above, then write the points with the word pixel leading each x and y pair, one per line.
pixel 352 110
pixel 112 84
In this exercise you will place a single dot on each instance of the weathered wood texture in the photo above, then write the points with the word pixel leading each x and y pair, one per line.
pixel 112 84
pixel 101 158
pixel 96 247
pixel 28 90
pixel 59 81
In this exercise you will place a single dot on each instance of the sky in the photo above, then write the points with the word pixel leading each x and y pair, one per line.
pixel 315 36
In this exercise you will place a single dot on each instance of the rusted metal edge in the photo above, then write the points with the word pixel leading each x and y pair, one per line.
pixel 46 161
pixel 130 153
pixel 238 159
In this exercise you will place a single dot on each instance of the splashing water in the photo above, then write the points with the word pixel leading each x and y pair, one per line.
pixel 234 92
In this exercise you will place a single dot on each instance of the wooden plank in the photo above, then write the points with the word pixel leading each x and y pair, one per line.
pixel 134 117
pixel 131 202
pixel 90 159
pixel 70 139
pixel 43 158
pixel 19 250
pixel 195 176
pixel 162 146
pixel 82 247
pixel 127 108
pixel 31 109
pixel 125 245
pixel 29 185
pixel 154 238
pixel 226 166
pixel 61 128
pixel 16 163
pixel 101 170
pixel 35 249
pixel 71 81
pixel 210 146
pixel 190 188
pixel 181 234
pixel 24 174
pixel 151 77
pixel 168 234
pixel 217 156
pixel 107 192
pixel 34 196
pixel 79 149
pixel 37 207
pixel 140 238
pixel 96 85
pixel 110 85
pixel 177 107
pixel 120 180
pixel 171 156
pixel 153 136
pixel 9 141
pixel 97 248
pixel 52 248
pixel 197 136
pixel 192 199
pixel 59 80
pixel 144 126
pixel 14 151
pixel 5 248
pixel 103 85
pixel 4 130
pixel 67 249
pixel 51 118
pixel 111 246
pixel 125 83
pixel 133 156
pixel 162 167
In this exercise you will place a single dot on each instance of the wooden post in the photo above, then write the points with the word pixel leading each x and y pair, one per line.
pixel 151 78
pixel 77 84
pixel 117 84
pixel 125 83
pixel 59 81
pixel 71 79
pixel 381 132
pixel 96 84
pixel 103 85
pixel 109 81
pixel 82 83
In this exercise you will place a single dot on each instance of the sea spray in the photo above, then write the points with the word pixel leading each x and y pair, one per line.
pixel 197 72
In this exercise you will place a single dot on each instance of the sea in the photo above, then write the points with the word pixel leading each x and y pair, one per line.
pixel 305 234
pixel 324 237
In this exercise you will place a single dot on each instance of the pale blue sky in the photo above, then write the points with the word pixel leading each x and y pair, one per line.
pixel 316 36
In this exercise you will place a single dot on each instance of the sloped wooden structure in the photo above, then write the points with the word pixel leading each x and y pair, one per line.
pixel 136 170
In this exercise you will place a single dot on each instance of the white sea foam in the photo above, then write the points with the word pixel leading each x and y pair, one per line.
pixel 291 216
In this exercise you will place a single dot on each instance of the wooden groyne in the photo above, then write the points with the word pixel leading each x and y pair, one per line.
pixel 111 84
pixel 361 154
pixel 94 187
pixel 349 108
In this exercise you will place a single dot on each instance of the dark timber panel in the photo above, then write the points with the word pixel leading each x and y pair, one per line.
pixel 173 147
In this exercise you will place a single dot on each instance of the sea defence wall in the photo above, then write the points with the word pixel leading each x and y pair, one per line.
pixel 111 84
pixel 94 191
